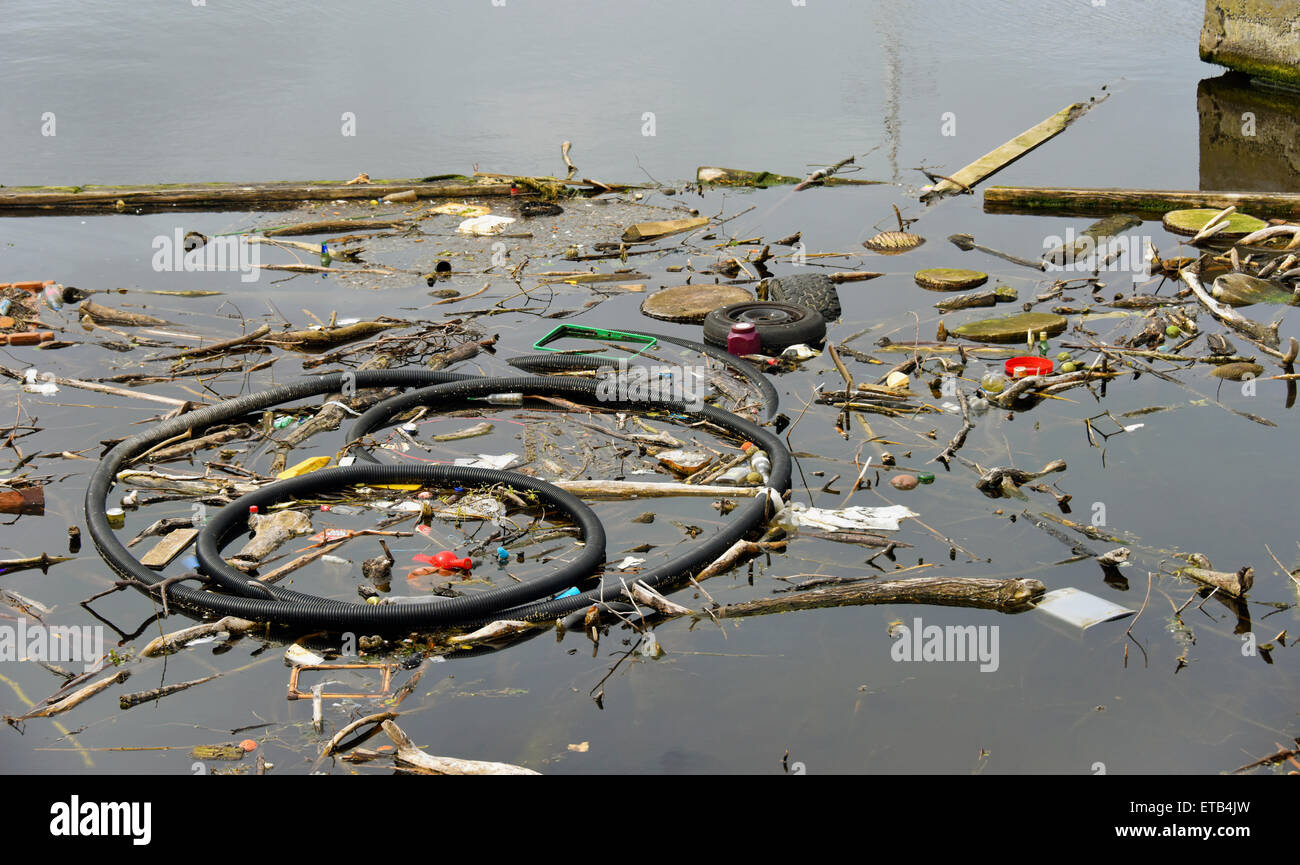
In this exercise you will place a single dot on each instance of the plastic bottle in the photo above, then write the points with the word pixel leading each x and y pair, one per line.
pixel 325 257
pixel 504 398
pixel 758 461
pixel 993 382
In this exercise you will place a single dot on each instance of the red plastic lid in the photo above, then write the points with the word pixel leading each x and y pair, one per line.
pixel 1033 366
pixel 743 327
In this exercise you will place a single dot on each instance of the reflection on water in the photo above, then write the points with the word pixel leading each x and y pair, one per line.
pixel 1250 136
pixel 189 94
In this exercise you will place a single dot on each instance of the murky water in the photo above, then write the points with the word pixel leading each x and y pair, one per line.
pixel 172 92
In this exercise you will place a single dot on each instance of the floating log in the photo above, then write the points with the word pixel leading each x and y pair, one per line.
pixel 315 339
pixel 1091 238
pixel 100 314
pixel 176 640
pixel 410 756
pixel 1147 203
pixel 186 448
pixel 1007 596
pixel 54 200
pixel 271 532
pixel 988 297
pixel 43 561
pixel 333 226
pixel 74 699
pixel 1235 584
pixel 853 276
pixel 601 489
pixel 127 701
pixel 708 175
pixel 1260 333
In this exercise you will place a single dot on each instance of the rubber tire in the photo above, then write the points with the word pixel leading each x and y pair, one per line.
pixel 803 325
pixel 813 290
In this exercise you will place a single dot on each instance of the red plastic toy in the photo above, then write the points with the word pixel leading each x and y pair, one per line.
pixel 447 560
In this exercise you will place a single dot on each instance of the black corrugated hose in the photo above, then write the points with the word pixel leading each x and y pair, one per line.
pixel 530 601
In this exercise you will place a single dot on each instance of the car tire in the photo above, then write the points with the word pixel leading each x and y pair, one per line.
pixel 779 325
pixel 813 290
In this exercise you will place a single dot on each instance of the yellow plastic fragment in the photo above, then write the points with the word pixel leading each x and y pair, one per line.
pixel 310 464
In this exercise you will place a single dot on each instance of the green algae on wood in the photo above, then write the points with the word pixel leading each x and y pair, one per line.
pixel 1242 289
pixel 1189 222
pixel 691 303
pixel 215 196
pixel 1013 328
pixel 1148 203
pixel 950 278
pixel 1237 371
pixel 988 297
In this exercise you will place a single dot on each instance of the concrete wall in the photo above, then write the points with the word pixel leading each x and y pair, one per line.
pixel 1258 37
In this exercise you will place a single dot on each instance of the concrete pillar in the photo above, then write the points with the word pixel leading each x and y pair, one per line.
pixel 1258 37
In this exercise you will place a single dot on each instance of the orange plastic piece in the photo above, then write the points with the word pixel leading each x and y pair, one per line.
pixel 29 337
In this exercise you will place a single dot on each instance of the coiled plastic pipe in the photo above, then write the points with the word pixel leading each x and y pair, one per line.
pixel 529 601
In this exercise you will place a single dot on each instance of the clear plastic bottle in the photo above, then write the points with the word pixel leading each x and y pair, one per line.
pixel 758 461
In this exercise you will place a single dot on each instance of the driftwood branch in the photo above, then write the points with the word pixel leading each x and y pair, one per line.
pixel 601 489
pixel 174 641
pixel 1006 596
pixel 1234 584
pixel 1266 334
pixel 410 756
pixel 73 699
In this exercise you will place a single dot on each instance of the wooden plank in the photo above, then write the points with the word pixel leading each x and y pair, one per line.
pixel 1149 203
pixel 169 546
pixel 997 159
pixel 643 231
